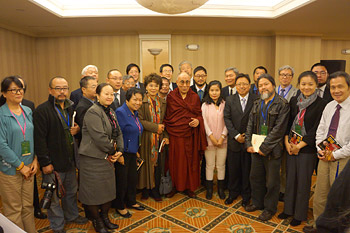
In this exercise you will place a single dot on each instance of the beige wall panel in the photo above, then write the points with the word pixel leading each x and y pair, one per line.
pixel 149 64
pixel 216 53
pixel 17 57
pixel 331 50
pixel 297 51
pixel 66 56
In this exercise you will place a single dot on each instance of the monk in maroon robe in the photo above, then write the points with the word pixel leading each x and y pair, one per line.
pixel 185 126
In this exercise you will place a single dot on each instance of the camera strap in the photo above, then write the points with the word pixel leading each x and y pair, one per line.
pixel 61 192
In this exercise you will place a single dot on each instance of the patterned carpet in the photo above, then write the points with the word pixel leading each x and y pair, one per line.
pixel 184 214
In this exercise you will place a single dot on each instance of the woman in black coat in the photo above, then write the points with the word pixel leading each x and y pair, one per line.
pixel 305 114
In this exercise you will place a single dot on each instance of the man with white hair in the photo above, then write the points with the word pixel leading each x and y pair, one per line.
pixel 186 66
pixel 89 70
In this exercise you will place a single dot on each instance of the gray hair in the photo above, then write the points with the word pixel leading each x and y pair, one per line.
pixel 126 78
pixel 88 67
pixel 234 69
pixel 286 67
pixel 184 62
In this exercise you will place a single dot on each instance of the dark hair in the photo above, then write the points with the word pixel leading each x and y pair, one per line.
pixel 339 74
pixel 133 91
pixel 164 65
pixel 25 84
pixel 268 77
pixel 318 64
pixel 101 86
pixel 308 73
pixel 6 82
pixel 207 99
pixel 198 68
pixel 153 77
pixel 51 80
pixel 131 65
pixel 164 78
pixel 241 75
pixel 261 68
pixel 112 71
pixel 84 81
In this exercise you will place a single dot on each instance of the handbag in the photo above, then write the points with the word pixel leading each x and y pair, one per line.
pixel 166 184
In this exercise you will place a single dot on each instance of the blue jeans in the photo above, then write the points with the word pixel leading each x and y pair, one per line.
pixel 69 210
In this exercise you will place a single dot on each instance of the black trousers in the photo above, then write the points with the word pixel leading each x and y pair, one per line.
pixel 36 202
pixel 126 180
pixel 265 182
pixel 238 164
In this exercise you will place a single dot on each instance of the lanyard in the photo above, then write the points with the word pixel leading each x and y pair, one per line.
pixel 67 121
pixel 262 112
pixel 25 123
pixel 284 96
pixel 301 117
pixel 137 122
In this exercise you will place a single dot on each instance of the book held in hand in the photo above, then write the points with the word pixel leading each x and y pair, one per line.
pixel 257 140
pixel 330 145
pixel 139 163
pixel 294 137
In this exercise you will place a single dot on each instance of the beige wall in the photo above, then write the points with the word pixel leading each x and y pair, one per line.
pixel 39 59
pixel 17 57
pixel 331 50
pixel 216 53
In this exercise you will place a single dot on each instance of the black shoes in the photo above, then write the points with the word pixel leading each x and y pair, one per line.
pixel 221 190
pixel 251 208
pixel 245 203
pixel 209 194
pixel 230 200
pixel 295 222
pixel 127 215
pixel 107 222
pixel 283 216
pixel 99 226
pixel 39 214
pixel 266 215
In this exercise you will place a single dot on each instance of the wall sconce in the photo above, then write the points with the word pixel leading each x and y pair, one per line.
pixel 155 52
pixel 345 51
pixel 192 47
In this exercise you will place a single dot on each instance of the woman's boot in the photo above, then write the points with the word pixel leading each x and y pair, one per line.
pixel 221 190
pixel 209 195
pixel 99 226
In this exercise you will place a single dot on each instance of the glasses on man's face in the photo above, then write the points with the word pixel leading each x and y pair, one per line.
pixel 201 76
pixel 286 75
pixel 242 84
pixel 15 91
pixel 60 89
pixel 187 82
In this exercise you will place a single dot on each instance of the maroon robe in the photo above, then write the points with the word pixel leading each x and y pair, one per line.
pixel 186 142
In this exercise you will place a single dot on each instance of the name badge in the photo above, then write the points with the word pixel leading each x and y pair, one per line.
pixel 25 145
pixel 263 130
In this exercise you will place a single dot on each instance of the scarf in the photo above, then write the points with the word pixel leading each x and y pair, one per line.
pixel 303 103
pixel 154 109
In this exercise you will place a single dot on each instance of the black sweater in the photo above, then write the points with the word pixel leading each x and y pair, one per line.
pixel 311 121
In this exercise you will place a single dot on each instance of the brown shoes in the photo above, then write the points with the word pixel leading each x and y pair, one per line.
pixel 171 194
pixel 266 215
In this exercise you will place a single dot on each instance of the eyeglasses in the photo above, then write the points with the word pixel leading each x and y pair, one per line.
pixel 15 91
pixel 320 72
pixel 201 76
pixel 286 75
pixel 182 82
pixel 59 89
pixel 242 84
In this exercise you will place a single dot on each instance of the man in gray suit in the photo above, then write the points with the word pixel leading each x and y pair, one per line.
pixel 287 91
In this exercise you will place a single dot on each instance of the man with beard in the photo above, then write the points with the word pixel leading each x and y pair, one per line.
pixel 185 126
pixel 54 146
pixel 322 76
pixel 200 85
pixel 268 117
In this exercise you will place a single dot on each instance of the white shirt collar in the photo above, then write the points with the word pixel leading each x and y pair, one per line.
pixel 203 88
pixel 245 97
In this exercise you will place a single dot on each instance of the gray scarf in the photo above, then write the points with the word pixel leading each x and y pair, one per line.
pixel 303 103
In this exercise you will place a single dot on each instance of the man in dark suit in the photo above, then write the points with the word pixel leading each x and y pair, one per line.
pixel 89 70
pixel 167 70
pixel 200 85
pixel 322 75
pixel 230 78
pixel 256 73
pixel 88 86
pixel 236 116
pixel 115 79
pixel 134 70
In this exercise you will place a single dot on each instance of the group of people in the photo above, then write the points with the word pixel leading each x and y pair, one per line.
pixel 113 135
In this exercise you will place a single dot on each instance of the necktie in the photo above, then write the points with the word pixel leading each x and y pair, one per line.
pixel 243 104
pixel 334 122
pixel 319 92
pixel 200 93
pixel 282 92
pixel 116 97
pixel 231 91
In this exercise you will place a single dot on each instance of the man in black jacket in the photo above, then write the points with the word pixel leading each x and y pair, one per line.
pixel 115 79
pixel 269 118
pixel 236 115
pixel 54 146
pixel 200 84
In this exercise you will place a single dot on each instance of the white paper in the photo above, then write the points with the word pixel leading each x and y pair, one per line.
pixel 73 120
pixel 8 226
pixel 257 140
